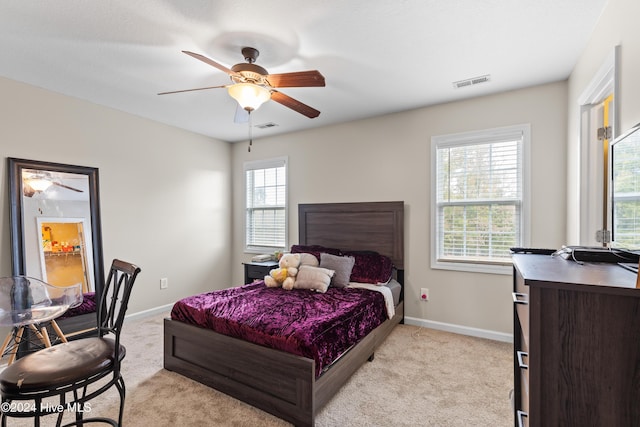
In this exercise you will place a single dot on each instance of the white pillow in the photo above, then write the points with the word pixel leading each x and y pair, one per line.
pixel 308 259
pixel 315 278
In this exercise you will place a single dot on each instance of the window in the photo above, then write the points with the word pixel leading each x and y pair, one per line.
pixel 479 207
pixel 266 205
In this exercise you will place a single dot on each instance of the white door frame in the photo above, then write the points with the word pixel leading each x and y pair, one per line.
pixel 605 82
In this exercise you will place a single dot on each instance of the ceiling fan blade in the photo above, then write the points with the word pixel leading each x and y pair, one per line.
pixel 212 63
pixel 67 187
pixel 191 90
pixel 311 78
pixel 294 104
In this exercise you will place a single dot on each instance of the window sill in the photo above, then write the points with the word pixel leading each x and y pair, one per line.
pixel 471 267
pixel 263 250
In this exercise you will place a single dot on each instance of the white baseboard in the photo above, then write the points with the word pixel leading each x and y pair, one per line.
pixel 150 312
pixel 458 329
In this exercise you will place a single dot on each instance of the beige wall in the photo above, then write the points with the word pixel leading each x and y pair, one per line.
pixel 388 158
pixel 617 26
pixel 164 192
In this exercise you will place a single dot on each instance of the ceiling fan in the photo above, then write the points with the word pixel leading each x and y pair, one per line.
pixel 38 182
pixel 253 85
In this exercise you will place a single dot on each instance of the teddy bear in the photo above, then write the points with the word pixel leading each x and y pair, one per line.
pixel 288 269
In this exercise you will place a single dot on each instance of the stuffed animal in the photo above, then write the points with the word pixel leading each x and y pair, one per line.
pixel 288 269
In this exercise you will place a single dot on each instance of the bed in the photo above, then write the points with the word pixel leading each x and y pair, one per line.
pixel 283 384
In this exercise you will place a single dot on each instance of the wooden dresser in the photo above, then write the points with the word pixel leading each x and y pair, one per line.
pixel 576 343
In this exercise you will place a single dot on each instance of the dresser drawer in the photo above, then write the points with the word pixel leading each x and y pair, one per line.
pixel 524 396
pixel 522 311
pixel 520 286
pixel 522 356
pixel 521 302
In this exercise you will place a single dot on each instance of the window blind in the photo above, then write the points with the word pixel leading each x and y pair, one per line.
pixel 266 202
pixel 479 191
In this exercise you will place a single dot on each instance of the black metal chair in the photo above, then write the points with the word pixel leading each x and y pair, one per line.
pixel 68 369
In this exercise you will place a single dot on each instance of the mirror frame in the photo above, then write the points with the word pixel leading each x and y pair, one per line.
pixel 16 167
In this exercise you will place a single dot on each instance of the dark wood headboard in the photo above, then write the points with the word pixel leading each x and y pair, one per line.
pixel 373 226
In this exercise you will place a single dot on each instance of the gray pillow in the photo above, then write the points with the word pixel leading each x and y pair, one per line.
pixel 342 265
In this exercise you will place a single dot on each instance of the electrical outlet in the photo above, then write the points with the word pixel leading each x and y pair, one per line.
pixel 164 283
pixel 424 294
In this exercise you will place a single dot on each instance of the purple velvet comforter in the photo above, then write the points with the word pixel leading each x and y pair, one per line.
pixel 306 323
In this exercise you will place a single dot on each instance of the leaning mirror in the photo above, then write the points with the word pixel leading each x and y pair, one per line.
pixel 55 226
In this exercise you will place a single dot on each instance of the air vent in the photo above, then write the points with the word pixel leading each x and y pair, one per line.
pixel 266 125
pixel 472 81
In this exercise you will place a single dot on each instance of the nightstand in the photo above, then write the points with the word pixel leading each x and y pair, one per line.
pixel 257 270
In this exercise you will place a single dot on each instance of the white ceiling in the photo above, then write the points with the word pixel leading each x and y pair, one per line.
pixel 377 56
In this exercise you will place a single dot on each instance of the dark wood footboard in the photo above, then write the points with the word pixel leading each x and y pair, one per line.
pixel 272 380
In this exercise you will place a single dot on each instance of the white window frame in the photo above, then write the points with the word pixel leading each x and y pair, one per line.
pixel 473 138
pixel 266 164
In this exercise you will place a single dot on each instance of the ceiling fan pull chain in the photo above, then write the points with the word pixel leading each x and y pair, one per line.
pixel 250 133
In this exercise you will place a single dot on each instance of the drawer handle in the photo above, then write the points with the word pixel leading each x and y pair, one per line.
pixel 521 355
pixel 521 415
pixel 519 298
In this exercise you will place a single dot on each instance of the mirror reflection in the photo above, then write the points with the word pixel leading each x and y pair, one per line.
pixel 59 203
pixel 65 256
pixel 55 221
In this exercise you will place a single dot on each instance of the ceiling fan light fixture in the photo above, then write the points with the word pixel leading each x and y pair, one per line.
pixel 39 183
pixel 249 96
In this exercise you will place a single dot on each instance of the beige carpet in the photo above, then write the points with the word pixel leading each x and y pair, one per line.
pixel 419 377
